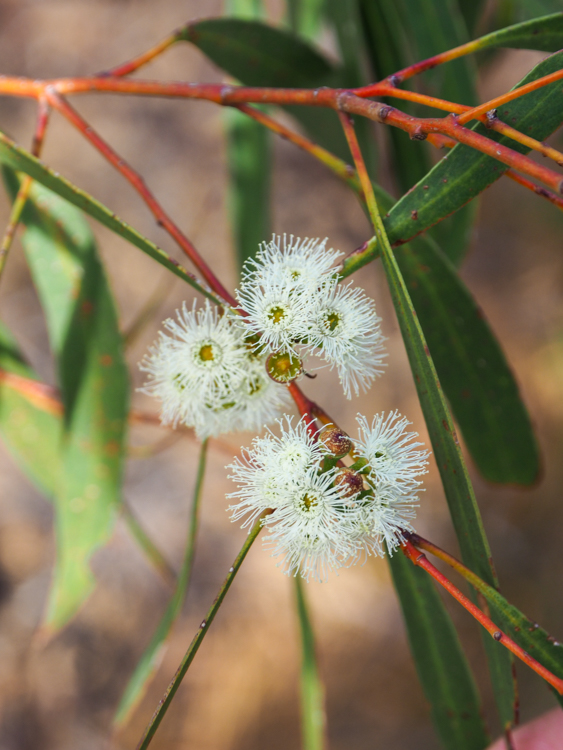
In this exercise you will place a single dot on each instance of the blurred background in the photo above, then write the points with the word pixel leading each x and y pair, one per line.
pixel 242 691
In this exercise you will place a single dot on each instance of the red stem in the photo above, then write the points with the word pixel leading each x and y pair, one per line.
pixel 420 559
pixel 135 179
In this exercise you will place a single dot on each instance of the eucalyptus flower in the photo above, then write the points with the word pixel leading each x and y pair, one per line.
pixel 392 453
pixel 346 330
pixel 323 516
pixel 208 377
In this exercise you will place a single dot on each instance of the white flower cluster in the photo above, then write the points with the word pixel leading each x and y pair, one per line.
pixel 209 376
pixel 293 302
pixel 321 521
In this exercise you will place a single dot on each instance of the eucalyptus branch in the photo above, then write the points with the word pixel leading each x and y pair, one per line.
pixel 135 179
pixel 419 559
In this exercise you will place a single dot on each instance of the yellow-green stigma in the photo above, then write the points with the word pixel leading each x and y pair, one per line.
pixel 276 314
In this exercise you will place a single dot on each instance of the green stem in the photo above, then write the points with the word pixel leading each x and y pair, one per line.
pixel 148 663
pixel 154 555
pixel 313 718
pixel 166 700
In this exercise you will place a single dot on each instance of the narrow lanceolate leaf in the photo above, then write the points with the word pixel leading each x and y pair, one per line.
pixel 545 34
pixel 152 656
pixel 313 719
pixel 463 507
pixel 21 160
pixel 84 335
pixel 249 160
pixel 32 435
pixel 470 363
pixel 471 366
pixel 259 55
pixel 455 478
pixel 441 665
pixel 464 172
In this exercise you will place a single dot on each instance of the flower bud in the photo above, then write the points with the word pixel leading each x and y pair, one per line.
pixel 284 367
pixel 349 482
pixel 335 441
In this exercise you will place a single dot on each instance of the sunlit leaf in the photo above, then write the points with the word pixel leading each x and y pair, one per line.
pixel 32 435
pixel 84 335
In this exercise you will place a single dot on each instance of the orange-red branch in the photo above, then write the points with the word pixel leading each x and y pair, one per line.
pixel 418 558
pixel 135 179
pixel 477 112
pixel 337 99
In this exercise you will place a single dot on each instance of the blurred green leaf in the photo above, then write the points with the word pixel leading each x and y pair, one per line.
pixel 399 32
pixel 389 51
pixel 32 435
pixel 304 17
pixel 84 335
pixel 313 719
pixel 249 158
pixel 150 660
pixel 441 665
pixel 472 13
pixel 17 158
pixel 252 52
pixel 344 15
pixel 464 172
pixel 260 55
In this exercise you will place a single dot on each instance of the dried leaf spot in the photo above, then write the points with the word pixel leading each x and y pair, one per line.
pixel 86 307
pixel 106 360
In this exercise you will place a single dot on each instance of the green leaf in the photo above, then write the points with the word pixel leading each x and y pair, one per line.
pixel 151 658
pixel 252 52
pixel 260 55
pixel 249 159
pixel 84 335
pixel 32 435
pixel 470 363
pixel 344 15
pixel 455 479
pixel 389 51
pixel 464 172
pixel 313 717
pixel 17 158
pixel 304 17
pixel 441 665
pixel 545 34
pixel 471 366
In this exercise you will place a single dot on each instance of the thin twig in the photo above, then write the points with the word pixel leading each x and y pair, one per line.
pixel 418 558
pixel 166 700
pixel 137 181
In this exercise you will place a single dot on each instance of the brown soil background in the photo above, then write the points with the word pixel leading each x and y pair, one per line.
pixel 242 689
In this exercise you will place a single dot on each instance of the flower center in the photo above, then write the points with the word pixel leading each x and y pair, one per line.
pixel 309 503
pixel 331 321
pixel 209 354
pixel 277 314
